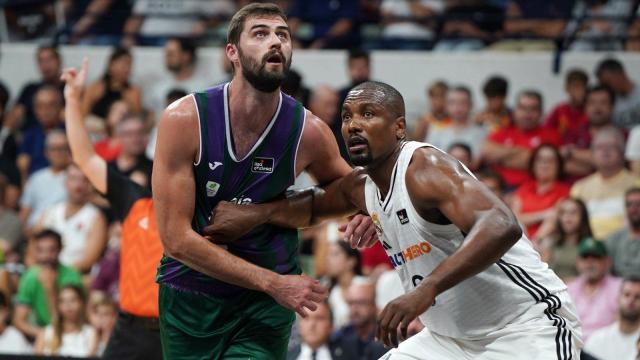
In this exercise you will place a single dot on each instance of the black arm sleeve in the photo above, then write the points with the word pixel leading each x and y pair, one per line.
pixel 122 193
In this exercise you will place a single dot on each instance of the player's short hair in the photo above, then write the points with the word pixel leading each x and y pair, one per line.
pixel 576 76
pixel 393 100
pixel 496 86
pixel 610 65
pixel 236 25
pixel 602 88
pixel 532 94
pixel 49 234
pixel 357 53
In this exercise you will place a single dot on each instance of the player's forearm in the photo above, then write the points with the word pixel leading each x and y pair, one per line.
pixel 489 239
pixel 200 254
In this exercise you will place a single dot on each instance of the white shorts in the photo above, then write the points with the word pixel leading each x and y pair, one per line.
pixel 532 336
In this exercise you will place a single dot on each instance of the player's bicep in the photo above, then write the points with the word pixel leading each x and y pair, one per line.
pixel 173 179
pixel 320 153
pixel 466 203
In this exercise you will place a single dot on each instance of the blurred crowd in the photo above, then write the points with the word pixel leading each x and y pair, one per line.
pixel 441 25
pixel 572 177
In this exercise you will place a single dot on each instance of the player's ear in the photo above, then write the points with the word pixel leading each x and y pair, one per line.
pixel 401 128
pixel 232 53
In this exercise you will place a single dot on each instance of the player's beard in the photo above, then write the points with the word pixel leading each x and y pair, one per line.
pixel 257 75
pixel 362 159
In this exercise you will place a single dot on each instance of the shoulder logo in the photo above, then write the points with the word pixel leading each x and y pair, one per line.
pixel 214 165
pixel 402 216
pixel 212 188
pixel 262 165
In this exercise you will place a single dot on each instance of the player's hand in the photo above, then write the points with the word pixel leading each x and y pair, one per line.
pixel 75 80
pixel 298 293
pixel 230 221
pixel 360 232
pixel 395 318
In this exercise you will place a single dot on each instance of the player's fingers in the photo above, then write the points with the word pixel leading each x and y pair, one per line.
pixel 368 238
pixel 317 288
pixel 351 226
pixel 362 227
pixel 309 305
pixel 392 330
pixel 315 297
pixel 404 326
pixel 342 228
pixel 383 322
pixel 301 311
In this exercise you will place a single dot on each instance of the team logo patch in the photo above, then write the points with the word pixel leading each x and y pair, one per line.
pixel 212 188
pixel 262 165
pixel 376 222
pixel 402 216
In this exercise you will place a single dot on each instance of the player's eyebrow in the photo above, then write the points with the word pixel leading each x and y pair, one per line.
pixel 264 26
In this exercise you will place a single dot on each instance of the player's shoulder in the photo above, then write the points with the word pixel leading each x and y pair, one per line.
pixel 181 110
pixel 433 173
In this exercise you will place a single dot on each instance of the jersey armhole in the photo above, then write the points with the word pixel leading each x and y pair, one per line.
pixel 295 155
pixel 199 156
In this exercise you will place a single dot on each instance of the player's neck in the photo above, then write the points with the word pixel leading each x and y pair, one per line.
pixel 380 170
pixel 249 106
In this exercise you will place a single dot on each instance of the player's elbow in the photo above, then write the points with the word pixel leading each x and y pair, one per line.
pixel 511 232
pixel 172 243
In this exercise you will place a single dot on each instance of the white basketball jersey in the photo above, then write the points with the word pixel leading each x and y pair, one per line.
pixel 476 306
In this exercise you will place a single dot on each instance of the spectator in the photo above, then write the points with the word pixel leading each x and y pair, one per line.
pixel 560 249
pixel 437 114
pixel 324 103
pixel 98 22
pixel 103 314
pixel 462 152
pixel 497 114
pixel 114 85
pixel 594 293
pixel 48 106
pixel 70 334
pixel 335 23
pixel 597 23
pixel 469 25
pixel 618 340
pixel 356 340
pixel 23 114
pixel 153 21
pixel 294 87
pixel 536 199
pixel 105 282
pixel 409 24
pixel 462 128
pixel 132 161
pixel 533 26
pixel 624 245
pixel 38 286
pixel 11 340
pixel 493 181
pixel 46 187
pixel 359 71
pixel 10 224
pixel 627 109
pixel 8 155
pixel 509 149
pixel 344 269
pixel 603 191
pixel 315 331
pixel 82 226
pixel 632 151
pixel 109 147
pixel 569 117
pixel 577 149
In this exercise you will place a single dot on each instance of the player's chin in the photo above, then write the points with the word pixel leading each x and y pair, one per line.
pixel 359 158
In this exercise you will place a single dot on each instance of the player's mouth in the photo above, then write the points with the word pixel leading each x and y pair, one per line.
pixel 275 58
pixel 357 143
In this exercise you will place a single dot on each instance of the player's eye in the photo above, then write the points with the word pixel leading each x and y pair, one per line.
pixel 283 35
pixel 367 114
pixel 260 34
pixel 346 117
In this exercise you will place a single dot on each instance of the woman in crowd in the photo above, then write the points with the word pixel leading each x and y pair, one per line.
pixel 114 85
pixel 535 200
pixel 437 115
pixel 560 250
pixel 69 334
pixel 109 147
pixel 103 316
pixel 343 268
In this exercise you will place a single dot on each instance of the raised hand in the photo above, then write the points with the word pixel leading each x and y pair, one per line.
pixel 360 232
pixel 298 293
pixel 75 80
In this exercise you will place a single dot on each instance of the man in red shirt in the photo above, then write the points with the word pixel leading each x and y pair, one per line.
pixel 508 150
pixel 569 116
